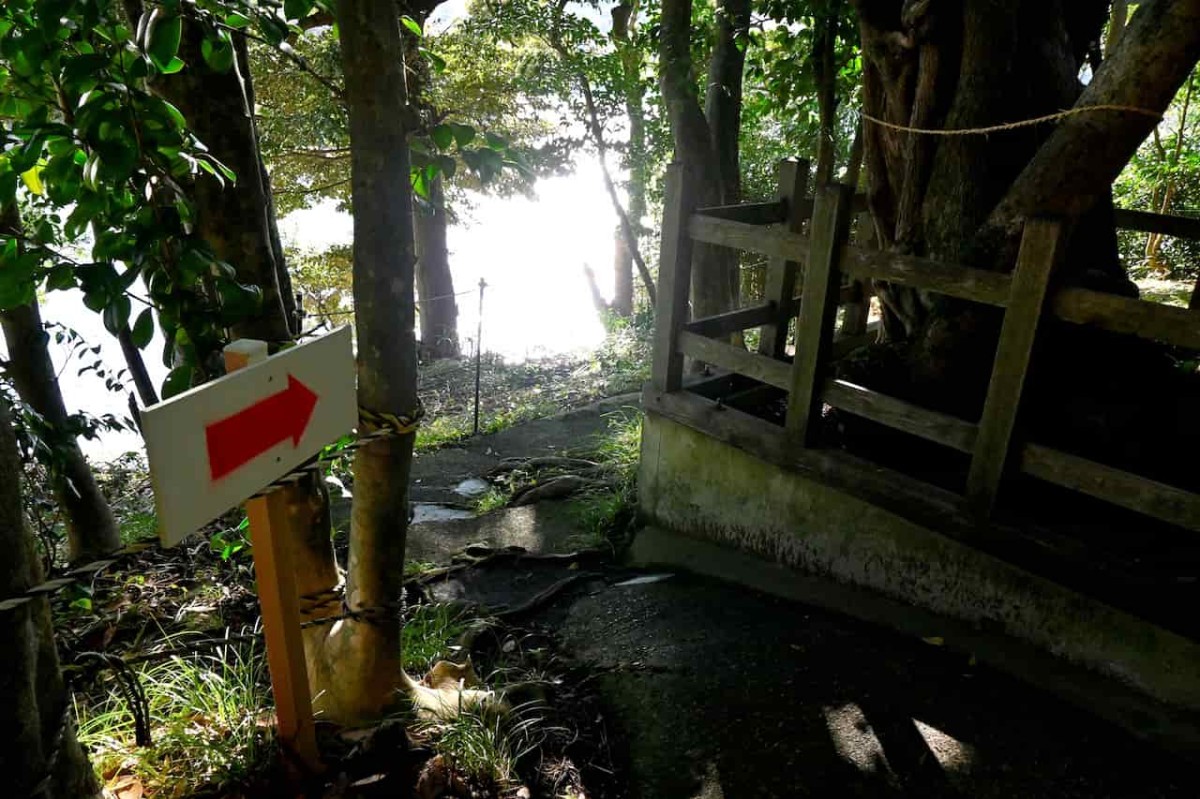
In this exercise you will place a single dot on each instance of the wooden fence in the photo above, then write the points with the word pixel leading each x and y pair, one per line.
pixel 829 272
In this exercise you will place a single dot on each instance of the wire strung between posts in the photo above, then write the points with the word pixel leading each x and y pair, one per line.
pixel 1022 123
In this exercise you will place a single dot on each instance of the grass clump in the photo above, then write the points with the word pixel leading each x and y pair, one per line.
pixel 430 634
pixel 210 725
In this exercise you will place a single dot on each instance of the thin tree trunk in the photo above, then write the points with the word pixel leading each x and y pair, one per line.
pixel 137 368
pixel 596 130
pixel 438 312
pixel 36 760
pixel 825 69
pixel 91 529
pixel 362 672
pixel 624 17
pixel 1154 245
pixel 438 309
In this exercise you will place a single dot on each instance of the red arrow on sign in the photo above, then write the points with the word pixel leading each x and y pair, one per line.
pixel 238 439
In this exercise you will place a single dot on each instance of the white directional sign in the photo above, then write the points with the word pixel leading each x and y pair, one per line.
pixel 213 446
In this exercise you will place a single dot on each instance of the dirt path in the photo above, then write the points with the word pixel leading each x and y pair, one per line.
pixel 711 690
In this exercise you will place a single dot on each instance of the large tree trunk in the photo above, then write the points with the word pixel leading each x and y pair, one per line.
pixel 964 198
pixel 715 279
pixel 435 285
pixel 41 756
pixel 237 222
pixel 362 671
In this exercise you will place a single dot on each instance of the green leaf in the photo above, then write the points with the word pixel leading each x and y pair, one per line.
pixel 442 135
pixel 447 165
pixel 171 67
pixel 217 53
pixel 116 314
pixel 60 277
pixel 177 381
pixel 237 21
pixel 163 34
pixel 463 134
pixel 413 26
pixel 495 142
pixel 143 329
pixel 297 9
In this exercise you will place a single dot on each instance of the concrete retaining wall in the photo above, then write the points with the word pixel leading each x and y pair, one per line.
pixel 702 488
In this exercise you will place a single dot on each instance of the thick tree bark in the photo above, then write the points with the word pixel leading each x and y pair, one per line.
pixel 964 199
pixel 715 279
pixel 238 222
pixel 91 529
pixel 435 285
pixel 36 755
pixel 362 671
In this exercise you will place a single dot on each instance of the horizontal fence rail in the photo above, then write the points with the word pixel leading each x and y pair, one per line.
pixel 821 260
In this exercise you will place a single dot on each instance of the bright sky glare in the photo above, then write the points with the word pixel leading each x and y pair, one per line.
pixel 530 252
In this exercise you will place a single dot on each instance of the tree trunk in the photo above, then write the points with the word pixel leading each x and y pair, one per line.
pixel 91 529
pixel 825 70
pixel 37 759
pixel 137 368
pixel 714 273
pixel 623 17
pixel 435 285
pixel 437 307
pixel 361 674
pixel 964 198
pixel 238 222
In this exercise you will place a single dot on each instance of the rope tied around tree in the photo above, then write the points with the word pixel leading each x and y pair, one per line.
pixel 1021 123
pixel 379 424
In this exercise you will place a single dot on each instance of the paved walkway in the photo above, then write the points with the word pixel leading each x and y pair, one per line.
pixel 715 691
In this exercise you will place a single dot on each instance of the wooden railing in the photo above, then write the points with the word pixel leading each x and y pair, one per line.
pixel 834 272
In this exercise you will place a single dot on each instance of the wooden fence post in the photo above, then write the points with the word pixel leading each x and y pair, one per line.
pixel 1042 245
pixel 855 314
pixel 674 278
pixel 781 274
pixel 279 601
pixel 818 309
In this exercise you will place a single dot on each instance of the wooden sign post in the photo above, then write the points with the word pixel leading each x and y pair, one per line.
pixel 219 444
pixel 279 600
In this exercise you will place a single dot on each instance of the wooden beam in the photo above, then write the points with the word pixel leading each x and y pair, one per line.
pixel 674 278
pixel 1149 320
pixel 1183 227
pixel 1042 245
pixel 977 285
pixel 930 425
pixel 1141 494
pixel 748 213
pixel 814 326
pixel 772 242
pixel 732 321
pixel 736 359
pixel 782 271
